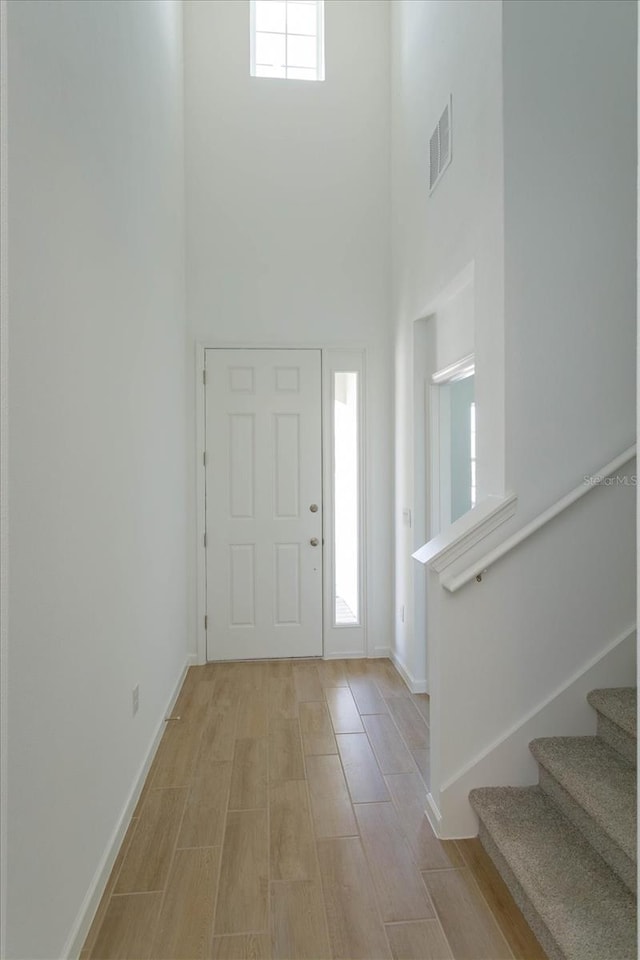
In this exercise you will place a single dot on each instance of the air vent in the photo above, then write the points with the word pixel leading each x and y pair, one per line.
pixel 440 148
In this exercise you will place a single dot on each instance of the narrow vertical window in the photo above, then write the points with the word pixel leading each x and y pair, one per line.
pixel 346 480
pixel 472 444
pixel 287 39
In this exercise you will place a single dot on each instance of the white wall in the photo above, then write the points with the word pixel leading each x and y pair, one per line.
pixel 570 249
pixel 447 248
pixel 563 360
pixel 97 434
pixel 288 217
pixel 539 619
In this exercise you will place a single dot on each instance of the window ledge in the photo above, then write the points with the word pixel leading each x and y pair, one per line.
pixel 466 532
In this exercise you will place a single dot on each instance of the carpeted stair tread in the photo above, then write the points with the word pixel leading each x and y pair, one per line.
pixel 618 704
pixel 587 911
pixel 599 779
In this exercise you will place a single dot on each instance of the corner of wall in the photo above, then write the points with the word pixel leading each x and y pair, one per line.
pixel 4 510
pixel 508 762
pixel 97 886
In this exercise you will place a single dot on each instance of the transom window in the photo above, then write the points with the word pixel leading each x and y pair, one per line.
pixel 287 39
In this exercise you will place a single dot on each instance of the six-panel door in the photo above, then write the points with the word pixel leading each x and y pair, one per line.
pixel 263 481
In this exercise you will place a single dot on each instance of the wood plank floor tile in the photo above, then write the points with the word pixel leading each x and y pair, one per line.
pixel 422 701
pixel 227 682
pixel 366 695
pixel 344 713
pixel 219 732
pixel 307 682
pixel 244 874
pixel 103 906
pixel 253 676
pixel 409 796
pixel 146 865
pixel 249 775
pixel 206 807
pixel 243 946
pixel 316 728
pixel 364 779
pixel 283 702
pixel 279 668
pixel 332 673
pixel 388 746
pixel 185 925
pixel 299 926
pixel 285 751
pixel 292 848
pixel 146 787
pixel 515 928
pixel 253 714
pixel 388 680
pixel 420 940
pixel 175 761
pixel 331 807
pixel 409 721
pixel 423 763
pixel 194 697
pixel 355 929
pixel 397 881
pixel 469 926
pixel 356 669
pixel 237 830
pixel 128 928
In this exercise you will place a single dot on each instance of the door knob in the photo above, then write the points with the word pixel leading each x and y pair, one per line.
pixel 314 541
pixel 314 508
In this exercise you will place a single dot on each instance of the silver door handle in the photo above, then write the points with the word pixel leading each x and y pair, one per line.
pixel 314 541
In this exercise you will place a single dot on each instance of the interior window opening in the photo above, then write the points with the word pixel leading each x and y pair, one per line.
pixel 287 39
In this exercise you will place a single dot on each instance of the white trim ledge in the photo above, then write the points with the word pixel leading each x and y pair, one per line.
pixel 91 902
pixel 589 483
pixel 455 371
pixel 467 531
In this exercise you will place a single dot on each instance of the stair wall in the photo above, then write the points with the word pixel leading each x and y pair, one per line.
pixel 508 761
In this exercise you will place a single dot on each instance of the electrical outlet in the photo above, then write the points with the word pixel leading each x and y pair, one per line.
pixel 135 698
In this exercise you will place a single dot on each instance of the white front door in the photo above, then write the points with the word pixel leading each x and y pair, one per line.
pixel 263 503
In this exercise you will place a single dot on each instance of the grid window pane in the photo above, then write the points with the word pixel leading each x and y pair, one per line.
pixel 301 73
pixel 301 18
pixel 287 39
pixel 270 49
pixel 301 51
pixel 271 15
pixel 262 70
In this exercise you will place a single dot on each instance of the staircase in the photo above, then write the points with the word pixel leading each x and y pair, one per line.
pixel 567 847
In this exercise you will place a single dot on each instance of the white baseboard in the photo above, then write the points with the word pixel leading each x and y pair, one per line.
pixel 415 686
pixel 380 653
pixel 97 886
pixel 433 815
pixel 344 655
pixel 508 760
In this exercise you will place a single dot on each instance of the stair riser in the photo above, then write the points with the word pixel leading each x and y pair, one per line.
pixel 616 858
pixel 617 739
pixel 531 915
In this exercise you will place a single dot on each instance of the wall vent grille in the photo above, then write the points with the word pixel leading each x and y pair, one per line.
pixel 440 151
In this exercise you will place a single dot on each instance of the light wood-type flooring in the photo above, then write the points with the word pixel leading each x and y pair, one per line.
pixel 283 817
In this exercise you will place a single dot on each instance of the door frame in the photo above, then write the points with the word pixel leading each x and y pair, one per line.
pixel 338 642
